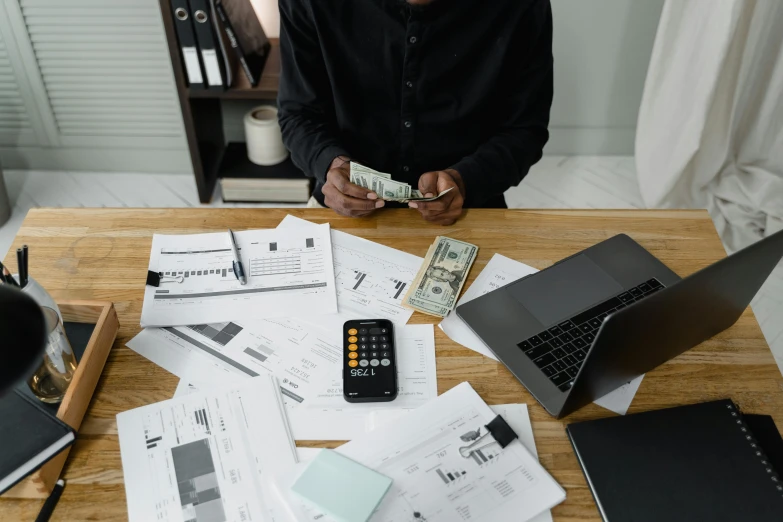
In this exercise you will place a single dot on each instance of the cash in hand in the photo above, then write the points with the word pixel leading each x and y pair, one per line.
pixel 440 279
pixel 386 188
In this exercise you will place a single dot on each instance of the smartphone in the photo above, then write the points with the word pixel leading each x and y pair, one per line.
pixel 369 361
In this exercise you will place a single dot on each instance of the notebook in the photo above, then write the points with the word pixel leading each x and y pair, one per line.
pixel 30 435
pixel 342 488
pixel 700 462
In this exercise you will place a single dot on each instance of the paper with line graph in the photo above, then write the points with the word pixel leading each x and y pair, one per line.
pixel 371 278
pixel 298 354
pixel 289 273
pixel 203 457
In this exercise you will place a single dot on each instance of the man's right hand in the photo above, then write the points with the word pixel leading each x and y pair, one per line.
pixel 344 197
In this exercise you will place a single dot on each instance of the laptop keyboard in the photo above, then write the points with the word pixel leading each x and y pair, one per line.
pixel 561 350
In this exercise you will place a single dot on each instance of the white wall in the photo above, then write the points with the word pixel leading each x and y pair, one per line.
pixel 601 49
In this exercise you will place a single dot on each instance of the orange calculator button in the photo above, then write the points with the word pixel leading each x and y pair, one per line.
pixel 353 355
pixel 353 364
pixel 353 331
pixel 352 339
pixel 353 347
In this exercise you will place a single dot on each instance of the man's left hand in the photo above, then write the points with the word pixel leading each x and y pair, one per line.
pixel 446 210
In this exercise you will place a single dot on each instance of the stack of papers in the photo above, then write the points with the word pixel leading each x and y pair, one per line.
pixel 203 456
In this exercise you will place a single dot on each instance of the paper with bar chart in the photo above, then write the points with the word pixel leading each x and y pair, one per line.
pixel 201 458
pixel 289 273
pixel 298 354
pixel 433 482
pixel 371 278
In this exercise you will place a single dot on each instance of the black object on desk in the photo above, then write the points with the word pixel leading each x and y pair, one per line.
pixel 701 462
pixel 48 508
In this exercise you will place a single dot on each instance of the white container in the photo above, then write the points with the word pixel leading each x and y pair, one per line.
pixel 264 139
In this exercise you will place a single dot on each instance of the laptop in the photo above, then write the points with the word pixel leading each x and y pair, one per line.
pixel 594 321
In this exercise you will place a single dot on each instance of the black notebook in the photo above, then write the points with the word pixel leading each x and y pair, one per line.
pixel 701 462
pixel 30 435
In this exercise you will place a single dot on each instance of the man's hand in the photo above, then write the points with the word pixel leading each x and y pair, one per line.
pixel 446 210
pixel 344 197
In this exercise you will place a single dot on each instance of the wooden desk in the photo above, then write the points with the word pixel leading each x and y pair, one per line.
pixel 103 254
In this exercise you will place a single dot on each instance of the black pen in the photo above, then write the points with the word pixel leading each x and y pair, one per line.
pixel 26 264
pixel 51 502
pixel 20 262
pixel 239 270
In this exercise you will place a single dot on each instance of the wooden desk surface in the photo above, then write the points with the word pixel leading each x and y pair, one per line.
pixel 104 253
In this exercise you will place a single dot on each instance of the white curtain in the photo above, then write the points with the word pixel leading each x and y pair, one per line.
pixel 710 130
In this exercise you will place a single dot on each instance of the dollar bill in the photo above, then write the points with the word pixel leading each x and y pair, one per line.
pixel 359 169
pixel 417 196
pixel 441 277
pixel 387 189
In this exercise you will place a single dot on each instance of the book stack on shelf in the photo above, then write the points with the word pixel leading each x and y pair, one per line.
pixel 243 181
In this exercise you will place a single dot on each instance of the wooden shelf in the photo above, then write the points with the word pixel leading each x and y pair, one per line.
pixel 242 90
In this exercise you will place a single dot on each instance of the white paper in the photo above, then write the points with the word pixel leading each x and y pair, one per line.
pixel 289 274
pixel 300 355
pixel 499 272
pixel 620 399
pixel 433 482
pixel 329 417
pixel 324 414
pixel 371 278
pixel 203 456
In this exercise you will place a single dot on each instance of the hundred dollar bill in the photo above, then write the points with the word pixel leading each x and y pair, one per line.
pixel 417 196
pixel 390 189
pixel 441 277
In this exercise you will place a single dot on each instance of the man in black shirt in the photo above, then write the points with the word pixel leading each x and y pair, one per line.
pixel 438 93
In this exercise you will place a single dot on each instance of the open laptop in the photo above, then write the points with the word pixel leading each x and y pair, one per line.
pixel 592 322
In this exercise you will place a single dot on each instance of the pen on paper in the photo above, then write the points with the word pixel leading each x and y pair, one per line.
pixel 239 271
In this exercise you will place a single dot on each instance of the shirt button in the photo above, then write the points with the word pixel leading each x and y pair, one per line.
pixel 406 168
pixel 409 84
pixel 413 39
pixel 408 124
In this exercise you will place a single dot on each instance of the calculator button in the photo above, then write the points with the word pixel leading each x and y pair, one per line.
pixel 384 330
pixel 363 355
pixel 352 339
pixel 364 363
pixel 373 354
pixel 385 354
pixel 353 364
pixel 373 338
pixel 363 339
pixel 373 347
pixel 374 362
pixel 353 331
pixel 385 362
pixel 363 347
pixel 353 355
pixel 384 338
pixel 363 331
pixel 384 346
pixel 353 347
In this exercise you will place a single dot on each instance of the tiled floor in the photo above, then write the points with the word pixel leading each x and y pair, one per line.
pixel 555 182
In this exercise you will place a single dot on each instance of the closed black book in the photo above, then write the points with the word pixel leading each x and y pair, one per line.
pixel 690 463
pixel 248 39
pixel 30 435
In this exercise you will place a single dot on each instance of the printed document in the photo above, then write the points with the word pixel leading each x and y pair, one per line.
pixel 434 482
pixel 298 354
pixel 325 415
pixel 499 272
pixel 203 456
pixel 371 278
pixel 289 273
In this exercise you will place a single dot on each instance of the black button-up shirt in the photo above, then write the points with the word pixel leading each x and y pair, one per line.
pixel 462 84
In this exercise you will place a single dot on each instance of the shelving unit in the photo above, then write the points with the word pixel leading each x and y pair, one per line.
pixel 202 114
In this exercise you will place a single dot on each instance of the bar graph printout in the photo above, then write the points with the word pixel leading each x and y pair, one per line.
pixel 201 457
pixel 289 273
pixel 371 278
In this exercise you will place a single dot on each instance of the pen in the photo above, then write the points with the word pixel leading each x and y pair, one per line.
pixel 51 502
pixel 26 265
pixel 8 277
pixel 20 262
pixel 239 272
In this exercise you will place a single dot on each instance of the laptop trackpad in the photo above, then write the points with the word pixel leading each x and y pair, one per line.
pixel 563 290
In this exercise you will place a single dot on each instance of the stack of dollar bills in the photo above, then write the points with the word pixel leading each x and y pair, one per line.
pixel 441 277
pixel 387 189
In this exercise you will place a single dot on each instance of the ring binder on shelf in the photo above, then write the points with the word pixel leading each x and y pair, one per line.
pixel 187 43
pixel 498 429
pixel 208 47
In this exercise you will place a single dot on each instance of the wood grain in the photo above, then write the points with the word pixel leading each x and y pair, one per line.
pixel 103 254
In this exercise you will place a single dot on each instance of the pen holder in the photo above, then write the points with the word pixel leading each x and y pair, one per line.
pixel 53 377
pixel 40 295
